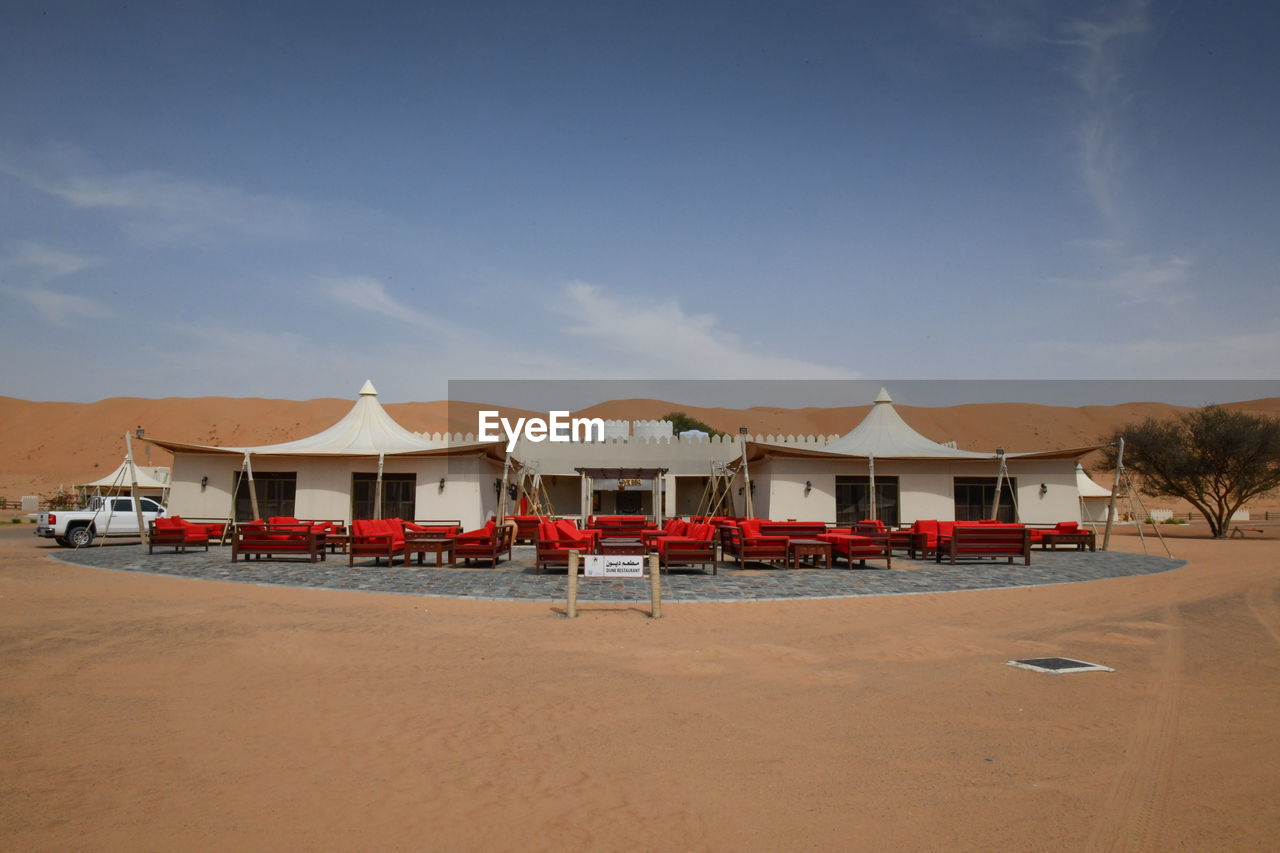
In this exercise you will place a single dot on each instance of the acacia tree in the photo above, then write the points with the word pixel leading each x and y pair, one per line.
pixel 1213 458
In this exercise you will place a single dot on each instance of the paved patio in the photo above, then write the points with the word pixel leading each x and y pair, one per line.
pixel 517 581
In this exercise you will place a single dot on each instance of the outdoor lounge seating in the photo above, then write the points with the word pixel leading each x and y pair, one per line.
pixel 748 544
pixel 486 543
pixel 620 526
pixel 859 546
pixel 376 538
pixel 433 527
pixel 694 546
pixel 973 541
pixel 793 529
pixel 176 533
pixel 556 539
pixel 1065 533
pixel 527 528
pixel 258 538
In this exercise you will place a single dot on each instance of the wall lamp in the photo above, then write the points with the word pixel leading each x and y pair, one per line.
pixel 497 487
pixel 808 487
pixel 442 484
pixel 204 481
pixel 1044 489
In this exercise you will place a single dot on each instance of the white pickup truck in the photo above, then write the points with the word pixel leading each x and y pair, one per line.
pixel 111 516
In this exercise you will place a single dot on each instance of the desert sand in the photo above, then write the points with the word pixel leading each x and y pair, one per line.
pixel 145 713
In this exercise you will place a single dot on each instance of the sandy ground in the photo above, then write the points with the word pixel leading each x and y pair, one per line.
pixel 154 713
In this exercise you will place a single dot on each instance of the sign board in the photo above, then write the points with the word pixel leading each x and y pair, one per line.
pixel 613 566
pixel 625 482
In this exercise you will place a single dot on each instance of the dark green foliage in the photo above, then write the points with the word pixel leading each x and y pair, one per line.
pixel 1213 458
pixel 681 422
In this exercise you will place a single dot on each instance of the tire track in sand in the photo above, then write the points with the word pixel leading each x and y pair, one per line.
pixel 1133 814
pixel 1263 606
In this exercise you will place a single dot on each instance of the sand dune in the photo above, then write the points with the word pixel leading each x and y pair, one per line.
pixel 51 444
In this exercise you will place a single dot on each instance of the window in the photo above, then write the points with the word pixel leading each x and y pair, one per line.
pixel 399 493
pixel 121 505
pixel 974 496
pixel 275 491
pixel 149 505
pixel 853 500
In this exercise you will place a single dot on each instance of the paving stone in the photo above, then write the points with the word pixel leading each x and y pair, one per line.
pixel 517 581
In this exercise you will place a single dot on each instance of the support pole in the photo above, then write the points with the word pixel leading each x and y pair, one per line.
pixel 571 608
pixel 133 489
pixel 502 491
pixel 655 587
pixel 377 492
pixel 1115 490
pixel 253 489
pixel 746 480
pixel 995 502
pixel 871 467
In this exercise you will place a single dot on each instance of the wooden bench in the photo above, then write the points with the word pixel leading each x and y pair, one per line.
pixel 985 541
pixel 291 540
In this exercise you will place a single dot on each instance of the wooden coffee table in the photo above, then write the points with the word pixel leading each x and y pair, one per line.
pixel 811 549
pixel 420 545
pixel 618 545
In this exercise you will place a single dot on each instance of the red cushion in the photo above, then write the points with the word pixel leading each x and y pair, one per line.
pixel 1066 527
pixel 750 528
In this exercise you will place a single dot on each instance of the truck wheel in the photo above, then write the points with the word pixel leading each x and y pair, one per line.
pixel 80 537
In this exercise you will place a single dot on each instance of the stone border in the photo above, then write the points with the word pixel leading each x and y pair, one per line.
pixel 516 580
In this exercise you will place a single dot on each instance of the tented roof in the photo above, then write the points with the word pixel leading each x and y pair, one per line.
pixel 883 434
pixel 1087 487
pixel 149 477
pixel 366 430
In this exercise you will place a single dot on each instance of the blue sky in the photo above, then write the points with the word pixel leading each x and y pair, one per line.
pixel 283 200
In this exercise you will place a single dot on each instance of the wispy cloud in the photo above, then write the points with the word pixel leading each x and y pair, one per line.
pixel 159 208
pixel 369 295
pixel 58 308
pixel 1246 355
pixel 659 339
pixel 46 261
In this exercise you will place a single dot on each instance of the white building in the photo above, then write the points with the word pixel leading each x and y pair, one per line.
pixel 368 466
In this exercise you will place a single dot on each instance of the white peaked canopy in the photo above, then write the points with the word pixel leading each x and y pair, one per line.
pixel 883 434
pixel 1087 487
pixel 366 430
pixel 149 477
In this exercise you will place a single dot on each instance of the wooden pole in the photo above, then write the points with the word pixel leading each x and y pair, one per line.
pixel 746 480
pixel 995 502
pixel 571 607
pixel 871 467
pixel 133 489
pixel 1115 490
pixel 655 588
pixel 253 489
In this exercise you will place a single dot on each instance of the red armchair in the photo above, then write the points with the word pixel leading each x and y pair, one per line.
pixel 176 532
pixel 485 543
pixel 693 546
pixel 376 538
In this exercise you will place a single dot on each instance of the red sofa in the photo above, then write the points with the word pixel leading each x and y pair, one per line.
pixel 485 543
pixel 556 539
pixel 377 538
pixel 174 531
pixel 853 545
pixel 692 545
pixel 747 543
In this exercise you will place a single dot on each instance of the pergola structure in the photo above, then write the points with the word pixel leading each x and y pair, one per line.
pixel 654 475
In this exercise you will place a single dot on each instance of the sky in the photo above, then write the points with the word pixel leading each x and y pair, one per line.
pixel 285 199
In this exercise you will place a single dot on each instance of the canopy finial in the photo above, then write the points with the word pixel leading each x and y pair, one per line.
pixel 883 396
pixel 367 390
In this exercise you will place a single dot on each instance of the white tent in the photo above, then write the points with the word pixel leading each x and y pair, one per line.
pixel 1094 499
pixel 448 479
pixel 883 434
pixel 151 479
